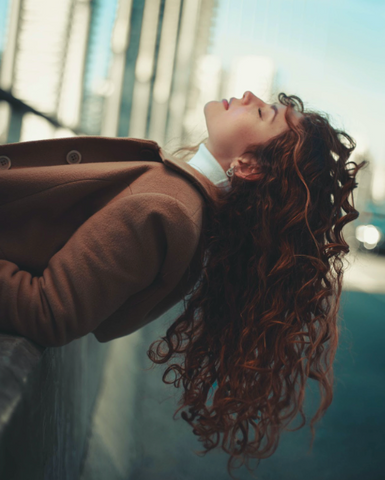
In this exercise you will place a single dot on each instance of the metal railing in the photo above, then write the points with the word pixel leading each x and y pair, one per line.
pixel 19 109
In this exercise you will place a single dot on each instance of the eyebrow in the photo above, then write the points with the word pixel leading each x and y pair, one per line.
pixel 274 107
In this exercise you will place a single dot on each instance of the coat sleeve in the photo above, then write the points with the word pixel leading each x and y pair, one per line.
pixel 117 252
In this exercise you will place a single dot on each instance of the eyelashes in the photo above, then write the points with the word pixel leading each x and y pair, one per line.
pixel 260 113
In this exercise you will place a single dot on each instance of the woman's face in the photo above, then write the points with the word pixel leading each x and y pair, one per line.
pixel 245 121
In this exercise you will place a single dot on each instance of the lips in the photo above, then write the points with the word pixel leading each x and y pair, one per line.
pixel 225 103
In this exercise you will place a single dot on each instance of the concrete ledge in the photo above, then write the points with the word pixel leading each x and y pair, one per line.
pixel 47 397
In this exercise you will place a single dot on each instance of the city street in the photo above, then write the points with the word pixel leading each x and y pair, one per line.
pixel 349 440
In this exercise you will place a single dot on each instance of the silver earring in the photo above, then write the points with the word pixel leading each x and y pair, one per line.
pixel 230 172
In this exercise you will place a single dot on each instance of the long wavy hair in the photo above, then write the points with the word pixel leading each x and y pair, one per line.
pixel 262 318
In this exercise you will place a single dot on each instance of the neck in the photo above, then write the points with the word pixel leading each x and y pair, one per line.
pixel 224 163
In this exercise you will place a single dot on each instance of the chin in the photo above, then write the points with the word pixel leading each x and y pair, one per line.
pixel 210 112
pixel 209 103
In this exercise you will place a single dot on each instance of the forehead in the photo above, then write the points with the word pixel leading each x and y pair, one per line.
pixel 294 114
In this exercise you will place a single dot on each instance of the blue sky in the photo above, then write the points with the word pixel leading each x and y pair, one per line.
pixel 329 53
pixel 3 19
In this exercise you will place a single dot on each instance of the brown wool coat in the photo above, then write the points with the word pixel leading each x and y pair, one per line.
pixel 97 235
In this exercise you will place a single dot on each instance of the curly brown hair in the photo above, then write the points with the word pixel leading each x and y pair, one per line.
pixel 271 278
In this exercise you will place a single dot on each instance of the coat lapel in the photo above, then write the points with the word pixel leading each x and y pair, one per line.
pixel 205 186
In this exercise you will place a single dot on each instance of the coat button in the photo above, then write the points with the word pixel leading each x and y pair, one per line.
pixel 5 162
pixel 147 154
pixel 73 157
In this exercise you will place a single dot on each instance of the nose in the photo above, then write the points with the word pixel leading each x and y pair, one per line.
pixel 250 97
pixel 246 94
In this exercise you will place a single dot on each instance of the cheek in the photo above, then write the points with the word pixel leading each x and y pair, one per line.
pixel 230 128
pixel 244 128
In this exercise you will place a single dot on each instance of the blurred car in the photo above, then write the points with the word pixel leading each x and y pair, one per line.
pixel 370 228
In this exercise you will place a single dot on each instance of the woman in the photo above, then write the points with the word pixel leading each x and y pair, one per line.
pixel 263 317
pixel 109 233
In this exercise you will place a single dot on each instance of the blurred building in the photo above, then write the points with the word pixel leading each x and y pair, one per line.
pixel 43 65
pixel 157 49
pixel 101 67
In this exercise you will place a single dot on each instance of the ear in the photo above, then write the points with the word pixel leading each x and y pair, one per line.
pixel 247 168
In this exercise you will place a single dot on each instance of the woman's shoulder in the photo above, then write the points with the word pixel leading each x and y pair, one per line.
pixel 161 179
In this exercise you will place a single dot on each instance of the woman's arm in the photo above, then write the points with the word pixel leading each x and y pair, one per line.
pixel 114 254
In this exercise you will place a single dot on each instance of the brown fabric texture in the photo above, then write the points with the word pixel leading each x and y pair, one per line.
pixel 105 245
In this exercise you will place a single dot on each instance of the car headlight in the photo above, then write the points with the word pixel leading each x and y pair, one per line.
pixel 369 235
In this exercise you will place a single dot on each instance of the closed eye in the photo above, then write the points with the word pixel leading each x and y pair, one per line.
pixel 260 113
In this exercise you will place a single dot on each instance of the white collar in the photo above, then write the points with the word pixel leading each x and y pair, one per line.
pixel 208 165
